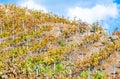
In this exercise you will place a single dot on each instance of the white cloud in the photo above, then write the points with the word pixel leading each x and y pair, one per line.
pixel 31 4
pixel 98 12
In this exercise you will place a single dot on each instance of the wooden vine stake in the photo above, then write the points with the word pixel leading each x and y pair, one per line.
pixel 70 72
pixel 114 70
pixel 36 70
pixel 47 77
pixel 23 24
pixel 12 59
pixel 54 66
pixel 1 32
pixel 88 72
pixel 24 30
pixel 3 24
pixel 82 56
pixel 13 37
pixel 101 65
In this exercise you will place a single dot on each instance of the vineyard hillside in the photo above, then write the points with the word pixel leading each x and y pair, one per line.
pixel 38 45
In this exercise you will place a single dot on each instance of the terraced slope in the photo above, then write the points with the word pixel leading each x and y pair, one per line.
pixel 34 44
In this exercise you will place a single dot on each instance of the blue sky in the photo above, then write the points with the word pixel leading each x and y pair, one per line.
pixel 107 12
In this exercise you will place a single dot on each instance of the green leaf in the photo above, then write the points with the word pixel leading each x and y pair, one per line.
pixel 59 67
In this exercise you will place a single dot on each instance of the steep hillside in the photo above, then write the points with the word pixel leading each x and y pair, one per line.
pixel 34 44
